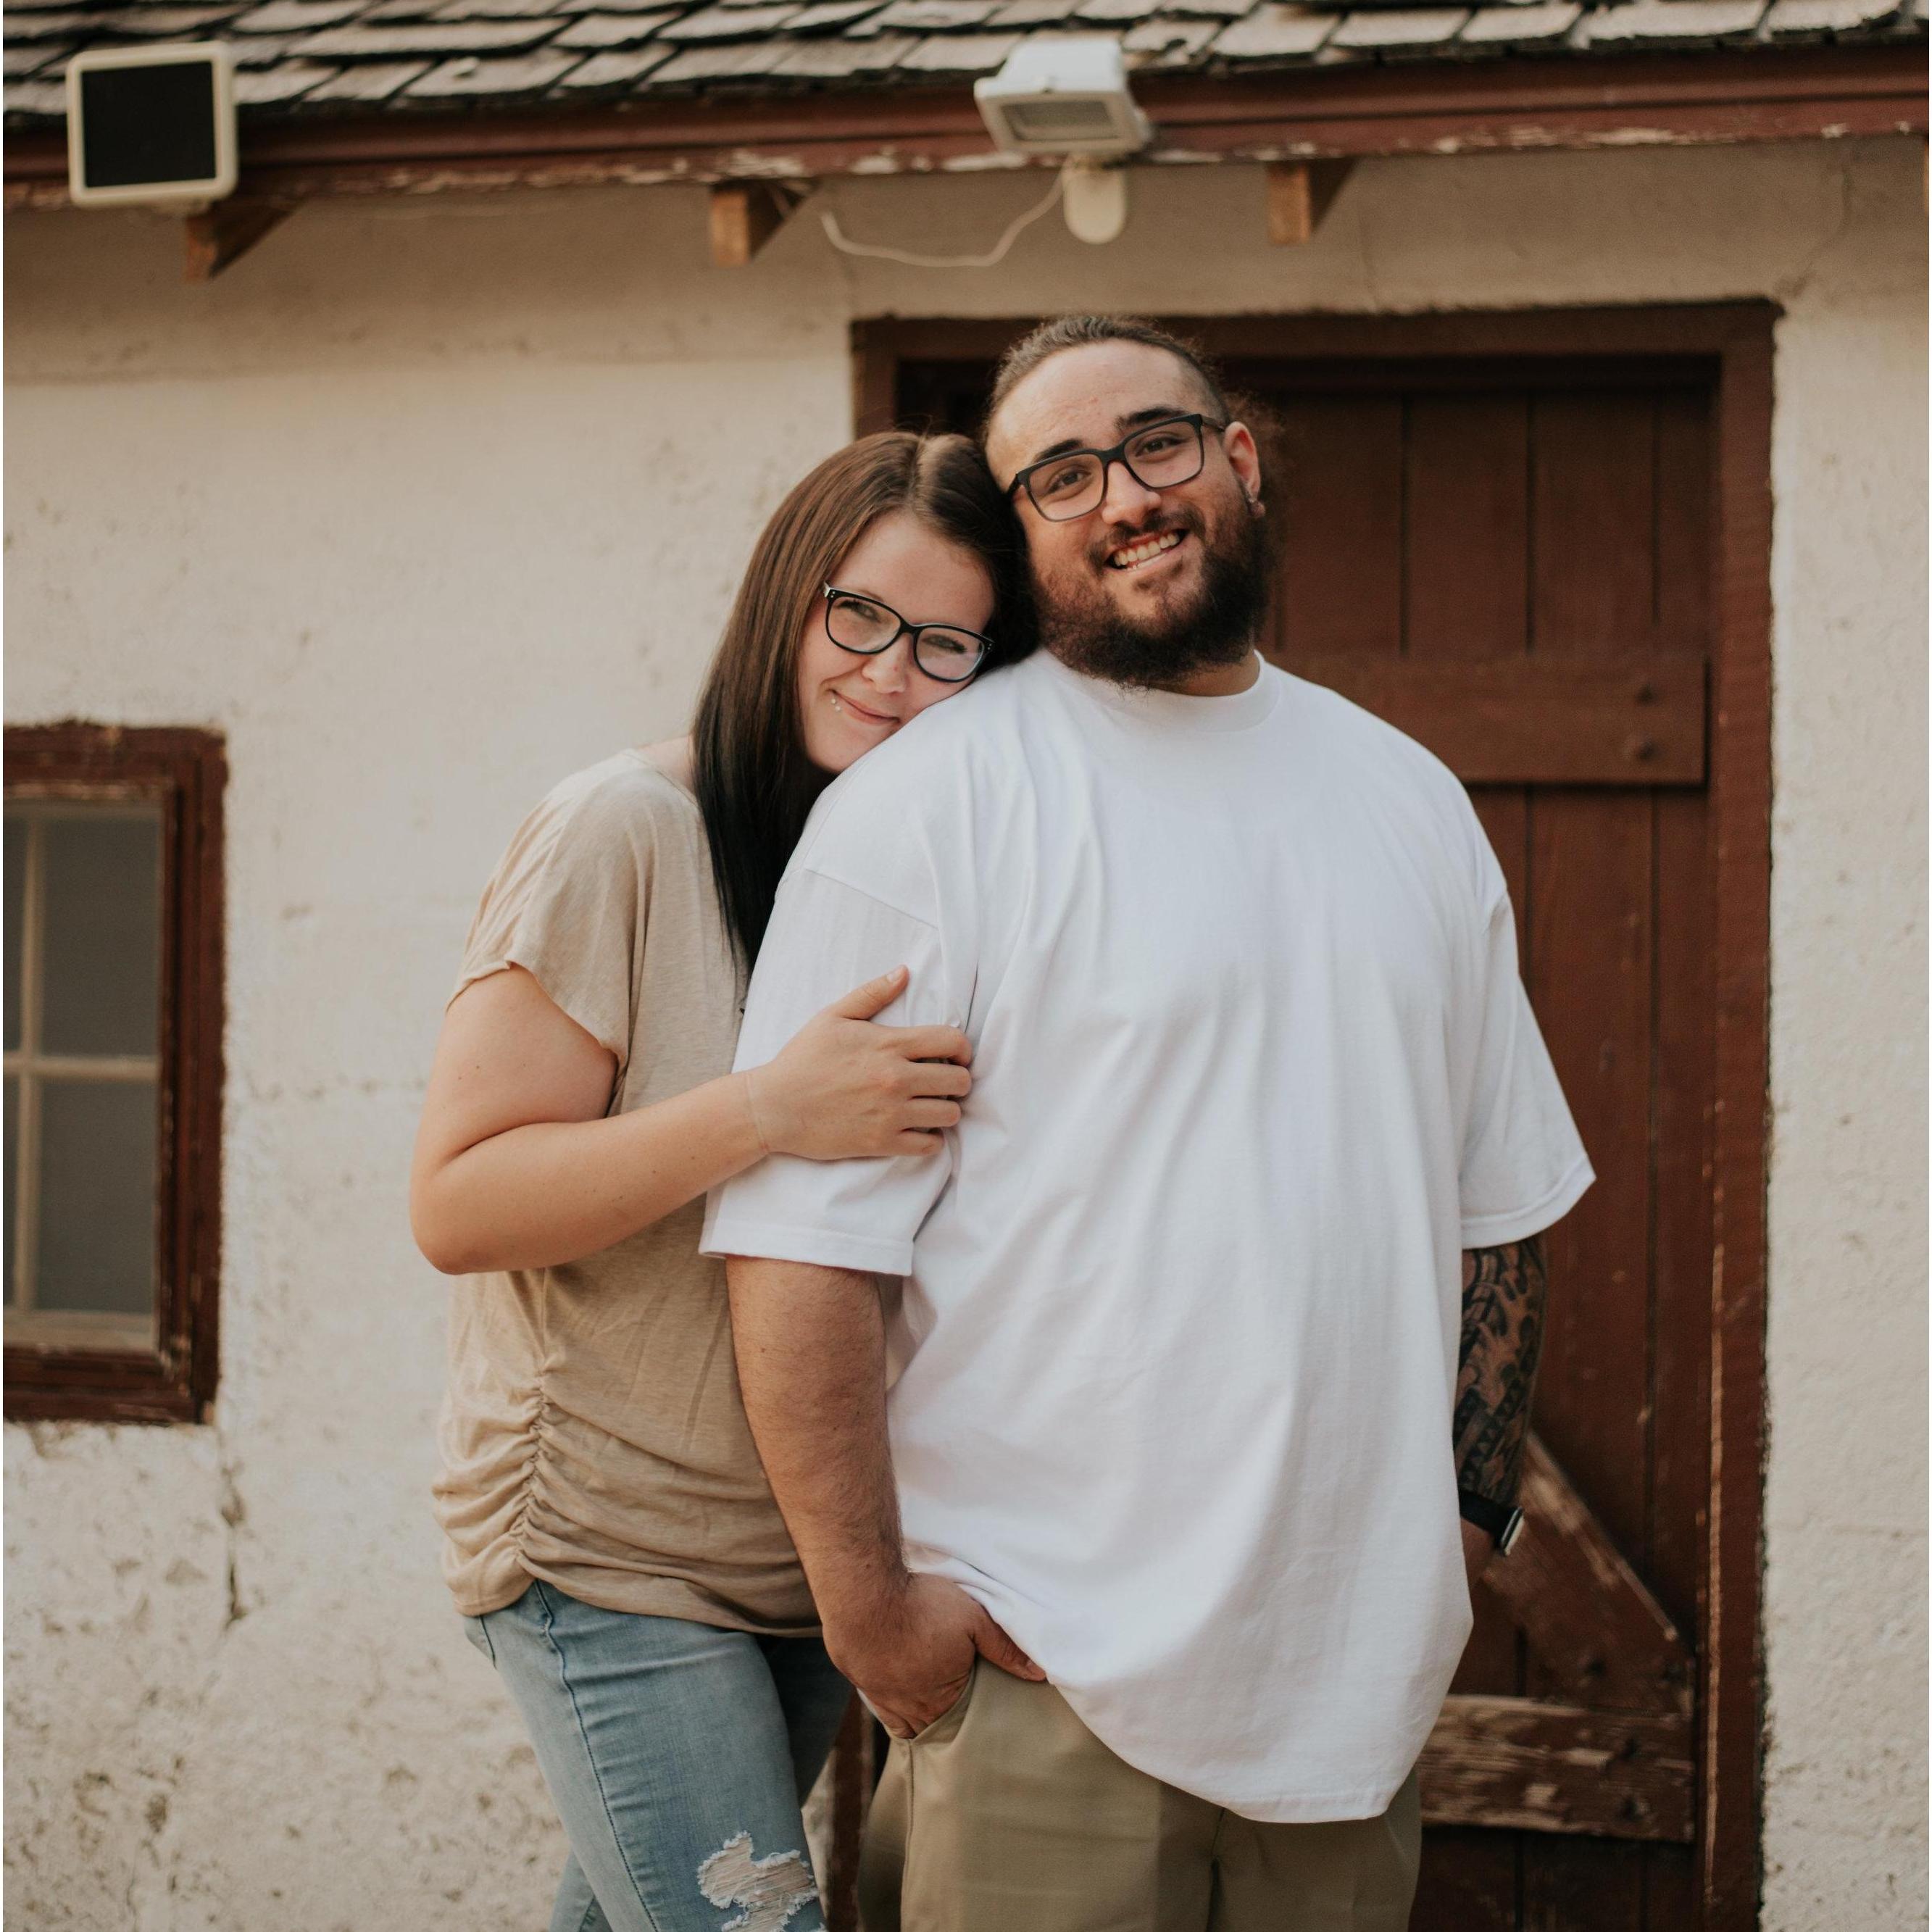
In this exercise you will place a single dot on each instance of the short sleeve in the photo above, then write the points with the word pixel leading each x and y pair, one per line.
pixel 1522 1166
pixel 827 937
pixel 568 904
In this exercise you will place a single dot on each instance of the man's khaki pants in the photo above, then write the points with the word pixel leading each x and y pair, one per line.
pixel 1009 1815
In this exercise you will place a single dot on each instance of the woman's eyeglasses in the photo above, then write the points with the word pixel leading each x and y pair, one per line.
pixel 861 624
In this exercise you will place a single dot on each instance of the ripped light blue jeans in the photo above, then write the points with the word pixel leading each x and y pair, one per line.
pixel 678 1757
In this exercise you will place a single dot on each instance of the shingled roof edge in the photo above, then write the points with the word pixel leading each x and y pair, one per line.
pixel 1725 94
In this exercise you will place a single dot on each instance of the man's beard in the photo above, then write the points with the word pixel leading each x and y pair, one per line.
pixel 1216 627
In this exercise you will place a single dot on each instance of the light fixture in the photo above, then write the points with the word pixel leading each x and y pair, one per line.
pixel 1067 94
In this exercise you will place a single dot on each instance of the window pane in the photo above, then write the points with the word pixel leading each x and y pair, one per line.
pixel 96 1231
pixel 16 908
pixel 12 1155
pixel 100 957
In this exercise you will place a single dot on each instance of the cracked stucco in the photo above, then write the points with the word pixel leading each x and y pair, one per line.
pixel 425 507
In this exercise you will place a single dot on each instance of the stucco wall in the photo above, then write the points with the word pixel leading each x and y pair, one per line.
pixel 425 505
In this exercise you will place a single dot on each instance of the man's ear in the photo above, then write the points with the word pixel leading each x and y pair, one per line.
pixel 1245 460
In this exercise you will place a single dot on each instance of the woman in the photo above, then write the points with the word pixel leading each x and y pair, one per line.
pixel 612 1542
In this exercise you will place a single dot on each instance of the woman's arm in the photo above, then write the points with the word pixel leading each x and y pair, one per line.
pixel 516 1165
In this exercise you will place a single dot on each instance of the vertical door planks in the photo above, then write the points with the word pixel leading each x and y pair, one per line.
pixel 1465 486
pixel 1340 503
pixel 1467 472
pixel 1593 574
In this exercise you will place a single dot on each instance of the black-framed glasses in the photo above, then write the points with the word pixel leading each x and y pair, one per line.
pixel 857 623
pixel 1157 457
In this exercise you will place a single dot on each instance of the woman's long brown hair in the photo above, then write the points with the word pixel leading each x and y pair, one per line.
pixel 755 784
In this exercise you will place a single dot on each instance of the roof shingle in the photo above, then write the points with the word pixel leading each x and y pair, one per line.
pixel 1522 26
pixel 369 81
pixel 1673 23
pixel 1795 19
pixel 348 56
pixel 728 23
pixel 1276 30
pixel 960 53
pixel 1370 27
pixel 596 31
pixel 527 73
pixel 446 37
pixel 603 70
pixel 296 16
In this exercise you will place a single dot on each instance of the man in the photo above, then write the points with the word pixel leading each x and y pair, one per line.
pixel 1226 1283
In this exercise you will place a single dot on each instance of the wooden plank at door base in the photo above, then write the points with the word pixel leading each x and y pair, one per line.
pixel 1525 720
pixel 1505 1762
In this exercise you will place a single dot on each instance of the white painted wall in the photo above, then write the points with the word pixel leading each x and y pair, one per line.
pixel 426 505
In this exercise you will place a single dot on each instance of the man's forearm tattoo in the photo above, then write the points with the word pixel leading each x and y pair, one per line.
pixel 1503 1294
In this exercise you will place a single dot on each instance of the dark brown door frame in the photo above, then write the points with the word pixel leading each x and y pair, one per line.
pixel 1735 341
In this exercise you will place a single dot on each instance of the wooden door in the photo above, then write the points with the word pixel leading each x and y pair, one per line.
pixel 1514 565
pixel 1512 556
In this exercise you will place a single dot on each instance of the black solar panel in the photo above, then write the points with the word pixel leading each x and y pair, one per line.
pixel 147 124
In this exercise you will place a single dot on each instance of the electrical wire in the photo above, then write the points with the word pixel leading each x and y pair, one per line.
pixel 992 259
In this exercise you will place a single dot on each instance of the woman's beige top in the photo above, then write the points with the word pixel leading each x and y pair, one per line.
pixel 593 1435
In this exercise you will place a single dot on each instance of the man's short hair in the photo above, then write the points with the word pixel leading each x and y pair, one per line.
pixel 1081 331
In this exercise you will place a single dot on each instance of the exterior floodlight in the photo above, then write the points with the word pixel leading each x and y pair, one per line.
pixel 150 125
pixel 1064 94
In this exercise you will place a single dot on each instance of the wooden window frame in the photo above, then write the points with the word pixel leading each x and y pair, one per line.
pixel 184 773
pixel 1734 342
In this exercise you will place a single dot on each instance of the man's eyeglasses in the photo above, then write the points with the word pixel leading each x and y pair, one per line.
pixel 1157 457
pixel 861 624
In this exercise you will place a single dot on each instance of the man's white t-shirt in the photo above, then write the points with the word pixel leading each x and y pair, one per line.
pixel 1177 1342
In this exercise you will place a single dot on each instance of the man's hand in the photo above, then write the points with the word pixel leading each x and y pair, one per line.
pixel 1477 1551
pixel 911 1659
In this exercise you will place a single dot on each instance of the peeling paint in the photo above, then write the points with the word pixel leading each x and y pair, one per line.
pixel 999 161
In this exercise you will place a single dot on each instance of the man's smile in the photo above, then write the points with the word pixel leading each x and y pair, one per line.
pixel 1141 551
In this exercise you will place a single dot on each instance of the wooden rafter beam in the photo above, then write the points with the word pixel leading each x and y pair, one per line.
pixel 745 215
pixel 221 234
pixel 1300 194
pixel 1769 94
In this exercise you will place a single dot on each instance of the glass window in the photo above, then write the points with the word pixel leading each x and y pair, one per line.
pixel 100 924
pixel 113 1030
pixel 83 962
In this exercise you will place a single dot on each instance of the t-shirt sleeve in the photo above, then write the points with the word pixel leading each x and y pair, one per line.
pixel 827 936
pixel 568 904
pixel 1523 1166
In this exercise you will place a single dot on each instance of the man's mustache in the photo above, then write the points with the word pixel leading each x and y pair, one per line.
pixel 1120 536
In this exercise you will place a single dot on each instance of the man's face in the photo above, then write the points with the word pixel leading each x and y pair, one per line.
pixel 1153 584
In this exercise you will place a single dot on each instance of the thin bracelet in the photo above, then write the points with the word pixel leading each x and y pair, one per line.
pixel 751 1109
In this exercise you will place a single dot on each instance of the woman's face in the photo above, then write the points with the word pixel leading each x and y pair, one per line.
pixel 849 703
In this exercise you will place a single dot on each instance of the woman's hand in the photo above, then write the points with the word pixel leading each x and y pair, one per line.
pixel 845 1089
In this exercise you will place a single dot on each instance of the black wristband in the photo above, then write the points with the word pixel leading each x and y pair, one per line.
pixel 1500 1521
